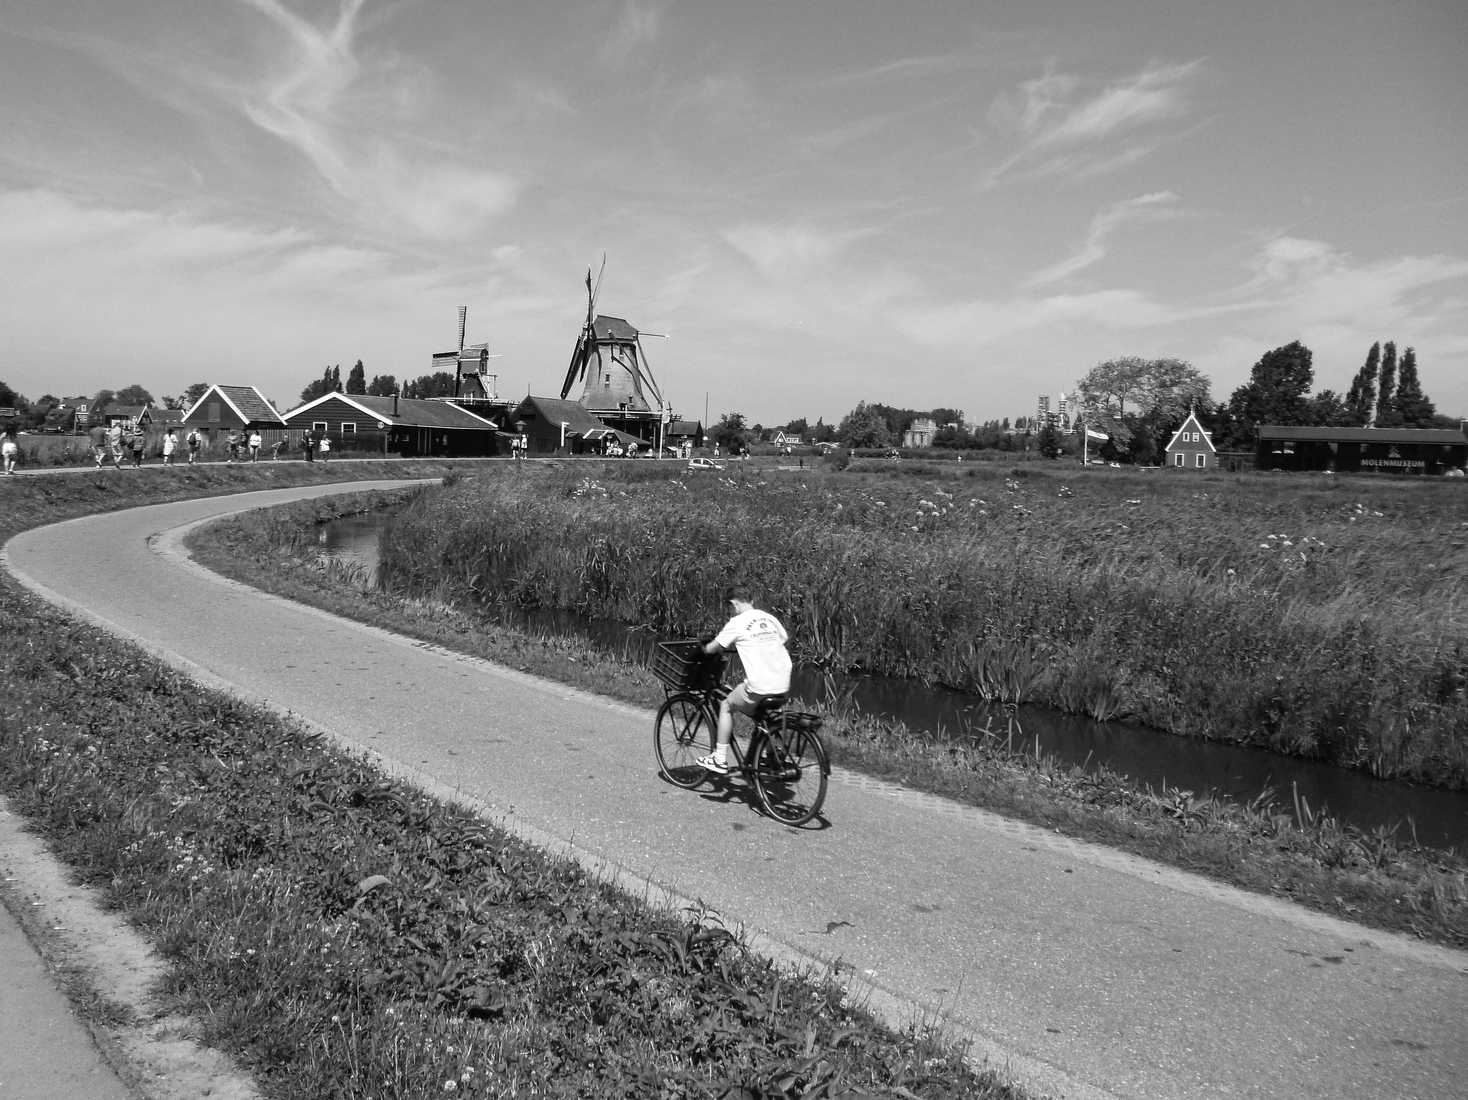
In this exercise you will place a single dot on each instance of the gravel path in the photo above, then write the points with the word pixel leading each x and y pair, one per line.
pixel 1091 972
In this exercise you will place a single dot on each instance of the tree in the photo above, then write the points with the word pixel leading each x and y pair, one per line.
pixel 730 432
pixel 1275 393
pixel 1386 411
pixel 357 380
pixel 796 427
pixel 383 385
pixel 1412 405
pixel 864 426
pixel 1329 409
pixel 438 384
pixel 101 401
pixel 1361 397
pixel 947 416
pixel 133 395
pixel 1108 386
pixel 822 432
pixel 1048 441
pixel 329 382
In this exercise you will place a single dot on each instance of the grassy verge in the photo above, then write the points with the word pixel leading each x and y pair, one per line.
pixel 1376 879
pixel 1317 617
pixel 344 935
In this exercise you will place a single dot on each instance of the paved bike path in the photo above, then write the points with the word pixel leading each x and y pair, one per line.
pixel 1099 973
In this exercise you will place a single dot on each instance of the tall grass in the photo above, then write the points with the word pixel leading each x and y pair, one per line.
pixel 1312 617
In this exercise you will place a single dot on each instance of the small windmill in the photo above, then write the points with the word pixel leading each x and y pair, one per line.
pixel 611 363
pixel 470 364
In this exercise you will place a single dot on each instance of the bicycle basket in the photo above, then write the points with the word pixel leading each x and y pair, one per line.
pixel 684 666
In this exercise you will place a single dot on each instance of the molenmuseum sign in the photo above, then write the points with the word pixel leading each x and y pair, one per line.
pixel 1361 450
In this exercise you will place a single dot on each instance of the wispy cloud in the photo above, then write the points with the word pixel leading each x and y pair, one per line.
pixel 1064 125
pixel 313 103
pixel 637 25
pixel 1102 226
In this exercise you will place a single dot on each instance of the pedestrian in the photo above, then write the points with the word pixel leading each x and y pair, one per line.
pixel 233 441
pixel 114 443
pixel 193 440
pixel 99 442
pixel 255 445
pixel 275 449
pixel 325 447
pixel 309 446
pixel 170 444
pixel 10 449
pixel 136 442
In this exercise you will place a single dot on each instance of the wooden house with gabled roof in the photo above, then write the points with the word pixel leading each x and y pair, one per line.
pixel 399 425
pixel 1192 447
pixel 232 408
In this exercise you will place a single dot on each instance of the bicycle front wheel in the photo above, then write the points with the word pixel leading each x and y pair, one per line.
pixel 790 774
pixel 681 734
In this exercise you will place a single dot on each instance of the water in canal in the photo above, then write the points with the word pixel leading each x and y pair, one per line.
pixel 1439 818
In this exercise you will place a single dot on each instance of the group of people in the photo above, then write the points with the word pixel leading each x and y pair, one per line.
pixel 246 442
pixel 116 442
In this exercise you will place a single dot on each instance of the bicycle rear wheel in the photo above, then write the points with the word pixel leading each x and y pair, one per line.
pixel 681 734
pixel 790 774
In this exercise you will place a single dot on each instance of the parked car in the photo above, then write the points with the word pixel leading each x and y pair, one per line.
pixel 704 464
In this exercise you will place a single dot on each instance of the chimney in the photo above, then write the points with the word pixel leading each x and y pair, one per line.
pixel 463 316
pixel 395 402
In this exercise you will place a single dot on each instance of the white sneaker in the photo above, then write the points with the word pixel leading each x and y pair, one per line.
pixel 710 763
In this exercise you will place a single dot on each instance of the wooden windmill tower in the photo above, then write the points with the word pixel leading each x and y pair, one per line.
pixel 617 384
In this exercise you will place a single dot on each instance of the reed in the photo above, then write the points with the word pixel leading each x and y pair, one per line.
pixel 1322 619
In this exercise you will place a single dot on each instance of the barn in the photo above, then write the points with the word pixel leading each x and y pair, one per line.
pixel 1192 447
pixel 1362 450
pixel 405 426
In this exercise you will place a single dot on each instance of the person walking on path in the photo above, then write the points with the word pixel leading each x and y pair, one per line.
pixel 137 442
pixel 308 445
pixel 192 439
pixel 10 449
pixel 760 641
pixel 255 445
pixel 170 444
pixel 325 447
pixel 114 442
pixel 99 443
pixel 233 440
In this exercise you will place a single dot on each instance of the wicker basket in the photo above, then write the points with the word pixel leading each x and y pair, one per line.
pixel 684 666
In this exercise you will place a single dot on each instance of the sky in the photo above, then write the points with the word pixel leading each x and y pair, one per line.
pixel 818 202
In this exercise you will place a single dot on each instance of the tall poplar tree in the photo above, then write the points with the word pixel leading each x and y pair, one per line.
pixel 357 379
pixel 1361 398
pixel 1411 405
pixel 1386 413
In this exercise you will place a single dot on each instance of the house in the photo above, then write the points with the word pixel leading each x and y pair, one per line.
pixel 920 433
pixel 681 434
pixel 160 420
pixel 410 427
pixel 1362 450
pixel 783 437
pixel 129 416
pixel 1192 447
pixel 230 408
pixel 554 426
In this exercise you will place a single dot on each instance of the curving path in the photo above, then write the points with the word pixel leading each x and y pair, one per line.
pixel 1090 972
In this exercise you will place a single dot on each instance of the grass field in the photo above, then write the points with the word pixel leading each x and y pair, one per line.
pixel 1317 616
pixel 344 935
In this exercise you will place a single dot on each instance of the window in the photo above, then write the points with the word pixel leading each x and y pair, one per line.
pixel 1196 439
pixel 349 427
pixel 1177 460
pixel 606 379
pixel 1202 461
pixel 318 425
pixel 214 412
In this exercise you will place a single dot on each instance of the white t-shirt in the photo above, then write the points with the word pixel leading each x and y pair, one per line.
pixel 760 641
pixel 325 444
pixel 168 444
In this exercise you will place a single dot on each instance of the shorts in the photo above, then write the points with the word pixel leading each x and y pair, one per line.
pixel 745 701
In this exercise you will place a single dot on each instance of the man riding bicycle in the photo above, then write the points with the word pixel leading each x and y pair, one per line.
pixel 759 639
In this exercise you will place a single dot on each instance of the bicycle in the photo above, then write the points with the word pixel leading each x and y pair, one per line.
pixel 785 759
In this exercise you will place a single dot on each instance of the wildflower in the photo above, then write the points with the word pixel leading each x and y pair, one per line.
pixel 450 1085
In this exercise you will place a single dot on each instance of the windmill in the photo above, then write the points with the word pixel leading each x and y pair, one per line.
pixel 473 384
pixel 617 383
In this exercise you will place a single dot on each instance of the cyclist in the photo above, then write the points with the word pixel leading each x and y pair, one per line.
pixel 760 640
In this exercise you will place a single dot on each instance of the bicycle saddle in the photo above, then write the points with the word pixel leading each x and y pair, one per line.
pixel 769 705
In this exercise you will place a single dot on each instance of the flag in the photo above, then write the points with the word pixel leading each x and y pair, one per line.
pixel 1102 436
